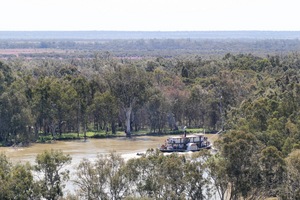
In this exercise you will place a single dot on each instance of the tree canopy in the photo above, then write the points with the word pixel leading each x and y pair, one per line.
pixel 253 97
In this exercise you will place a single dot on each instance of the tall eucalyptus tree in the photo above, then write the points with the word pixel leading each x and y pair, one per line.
pixel 130 85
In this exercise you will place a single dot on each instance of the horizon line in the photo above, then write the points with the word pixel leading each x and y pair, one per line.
pixel 150 30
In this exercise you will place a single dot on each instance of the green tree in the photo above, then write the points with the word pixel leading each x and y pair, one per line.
pixel 22 183
pixel 116 178
pixel 198 106
pixel 197 185
pixel 157 176
pixel 144 174
pixel 42 104
pixel 50 167
pixel 6 76
pixel 216 166
pixel 83 99
pixel 91 179
pixel 129 84
pixel 5 167
pixel 63 104
pixel 291 188
pixel 241 152
pixel 157 108
pixel 273 170
pixel 172 171
pixel 15 117
pixel 105 109
pixel 17 181
pixel 105 179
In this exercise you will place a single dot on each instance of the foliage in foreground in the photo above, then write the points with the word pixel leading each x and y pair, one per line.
pixel 19 181
pixel 242 169
pixel 153 175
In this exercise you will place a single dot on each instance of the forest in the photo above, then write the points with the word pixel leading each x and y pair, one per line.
pixel 252 96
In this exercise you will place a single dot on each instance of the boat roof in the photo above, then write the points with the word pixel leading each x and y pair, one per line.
pixel 188 136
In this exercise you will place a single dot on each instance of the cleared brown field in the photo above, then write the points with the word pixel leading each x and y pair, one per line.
pixel 18 52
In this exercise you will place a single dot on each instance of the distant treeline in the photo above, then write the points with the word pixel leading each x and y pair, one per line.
pixel 148 47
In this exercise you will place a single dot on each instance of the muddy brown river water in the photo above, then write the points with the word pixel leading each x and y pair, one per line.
pixel 79 149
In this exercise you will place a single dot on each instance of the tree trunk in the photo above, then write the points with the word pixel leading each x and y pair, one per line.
pixel 127 122
pixel 113 127
pixel 78 119
pixel 84 131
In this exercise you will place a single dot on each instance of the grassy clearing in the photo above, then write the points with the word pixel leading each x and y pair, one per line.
pixel 76 136
pixel 103 134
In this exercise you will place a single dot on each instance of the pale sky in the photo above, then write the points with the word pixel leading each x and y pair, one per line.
pixel 150 15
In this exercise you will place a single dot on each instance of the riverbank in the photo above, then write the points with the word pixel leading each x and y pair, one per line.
pixel 49 139
pixel 99 135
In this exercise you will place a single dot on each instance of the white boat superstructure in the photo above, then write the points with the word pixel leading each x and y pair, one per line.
pixel 185 143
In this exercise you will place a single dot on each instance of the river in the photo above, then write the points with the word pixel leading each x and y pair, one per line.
pixel 79 149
